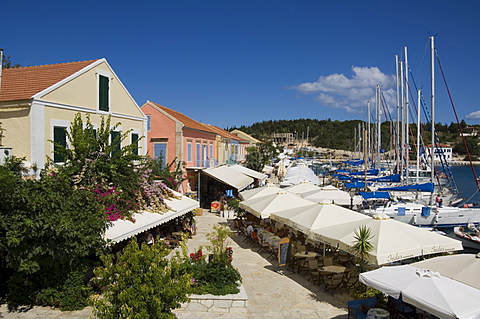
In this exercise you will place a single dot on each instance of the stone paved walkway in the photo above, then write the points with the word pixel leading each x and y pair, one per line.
pixel 271 294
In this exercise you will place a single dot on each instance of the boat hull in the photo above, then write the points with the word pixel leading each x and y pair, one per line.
pixel 420 215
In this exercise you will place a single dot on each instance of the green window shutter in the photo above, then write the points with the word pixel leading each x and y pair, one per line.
pixel 103 102
pixel 115 140
pixel 60 138
pixel 135 143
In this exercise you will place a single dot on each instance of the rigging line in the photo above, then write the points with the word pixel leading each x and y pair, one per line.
pixel 424 104
pixel 388 116
pixel 445 165
pixel 470 198
pixel 458 122
pixel 425 51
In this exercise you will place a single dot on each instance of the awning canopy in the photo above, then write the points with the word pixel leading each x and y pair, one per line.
pixel 229 176
pixel 123 229
pixel 249 172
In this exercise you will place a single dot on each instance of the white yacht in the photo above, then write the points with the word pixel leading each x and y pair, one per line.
pixel 423 215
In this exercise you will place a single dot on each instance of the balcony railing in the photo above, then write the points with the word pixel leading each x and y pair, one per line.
pixel 211 162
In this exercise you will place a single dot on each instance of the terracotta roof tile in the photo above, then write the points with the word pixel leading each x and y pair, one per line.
pixel 224 133
pixel 23 83
pixel 187 121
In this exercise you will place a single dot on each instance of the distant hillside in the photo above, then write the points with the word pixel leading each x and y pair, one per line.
pixel 340 134
pixel 321 133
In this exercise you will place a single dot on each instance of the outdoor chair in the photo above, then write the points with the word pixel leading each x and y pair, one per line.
pixel 397 307
pixel 327 261
pixel 301 249
pixel 334 281
pixel 303 264
pixel 273 249
pixel 350 279
pixel 313 270
pixel 262 243
pixel 344 258
pixel 357 309
pixel 255 240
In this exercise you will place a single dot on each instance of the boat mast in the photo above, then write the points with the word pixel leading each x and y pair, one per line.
pixel 367 150
pixel 397 137
pixel 403 122
pixel 379 133
pixel 418 134
pixel 432 70
pixel 406 110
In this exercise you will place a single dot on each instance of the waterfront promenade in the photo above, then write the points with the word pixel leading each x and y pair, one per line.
pixel 270 294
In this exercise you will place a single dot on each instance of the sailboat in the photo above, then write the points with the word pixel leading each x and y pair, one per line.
pixel 426 214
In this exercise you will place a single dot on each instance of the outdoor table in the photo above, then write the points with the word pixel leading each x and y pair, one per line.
pixel 329 270
pixel 302 255
pixel 308 254
pixel 377 313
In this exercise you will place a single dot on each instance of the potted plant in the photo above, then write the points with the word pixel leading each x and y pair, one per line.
pixel 233 207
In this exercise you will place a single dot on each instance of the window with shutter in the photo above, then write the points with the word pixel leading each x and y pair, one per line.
pixel 103 91
pixel 115 140
pixel 60 138
pixel 135 143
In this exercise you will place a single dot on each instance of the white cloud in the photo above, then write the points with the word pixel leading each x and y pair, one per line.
pixel 351 94
pixel 473 116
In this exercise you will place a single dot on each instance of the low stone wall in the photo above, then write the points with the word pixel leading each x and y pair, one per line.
pixel 225 304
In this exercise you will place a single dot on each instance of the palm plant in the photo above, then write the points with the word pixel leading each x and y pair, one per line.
pixel 362 245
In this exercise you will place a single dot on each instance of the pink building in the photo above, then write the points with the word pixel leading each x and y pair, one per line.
pixel 172 135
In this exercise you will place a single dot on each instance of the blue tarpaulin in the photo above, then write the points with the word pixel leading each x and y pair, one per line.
pixel 369 172
pixel 355 162
pixel 426 187
pixel 390 178
pixel 375 195
pixel 355 185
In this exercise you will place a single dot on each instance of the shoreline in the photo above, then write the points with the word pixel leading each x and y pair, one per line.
pixel 464 163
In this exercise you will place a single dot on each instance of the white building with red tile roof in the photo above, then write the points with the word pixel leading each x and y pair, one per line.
pixel 37 104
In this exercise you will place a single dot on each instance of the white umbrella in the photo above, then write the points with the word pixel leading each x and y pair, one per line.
pixel 263 206
pixel 332 193
pixel 462 267
pixel 392 240
pixel 301 188
pixel 298 174
pixel 260 191
pixel 315 216
pixel 427 290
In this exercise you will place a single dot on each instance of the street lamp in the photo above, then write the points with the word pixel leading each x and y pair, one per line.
pixel 352 193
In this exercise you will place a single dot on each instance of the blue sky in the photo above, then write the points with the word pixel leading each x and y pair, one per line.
pixel 231 63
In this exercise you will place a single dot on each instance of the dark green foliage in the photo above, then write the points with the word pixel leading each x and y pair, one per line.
pixel 216 277
pixel 51 228
pixel 71 293
pixel 472 145
pixel 48 230
pixel 258 157
pixel 171 174
pixel 141 283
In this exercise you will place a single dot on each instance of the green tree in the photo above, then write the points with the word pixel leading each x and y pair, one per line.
pixel 7 64
pixel 47 232
pixel 171 174
pixel 140 282
pixel 472 145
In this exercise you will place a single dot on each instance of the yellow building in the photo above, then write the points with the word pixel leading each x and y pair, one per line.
pixel 38 103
